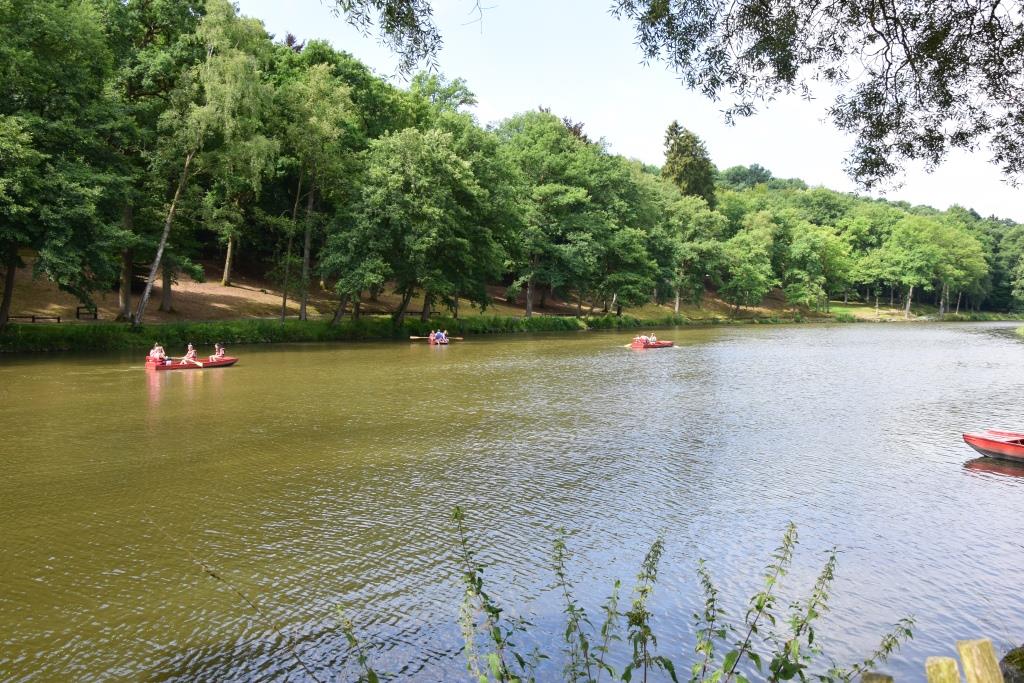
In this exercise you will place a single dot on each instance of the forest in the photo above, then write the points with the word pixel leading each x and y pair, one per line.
pixel 140 139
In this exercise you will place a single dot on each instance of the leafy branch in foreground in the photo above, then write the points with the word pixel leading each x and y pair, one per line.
pixel 589 654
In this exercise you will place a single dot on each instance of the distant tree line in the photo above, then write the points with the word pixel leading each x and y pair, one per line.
pixel 139 139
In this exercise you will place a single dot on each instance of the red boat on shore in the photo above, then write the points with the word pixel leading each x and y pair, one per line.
pixel 640 344
pixel 997 443
pixel 160 366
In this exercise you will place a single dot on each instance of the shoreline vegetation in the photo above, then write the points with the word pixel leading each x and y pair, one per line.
pixel 112 336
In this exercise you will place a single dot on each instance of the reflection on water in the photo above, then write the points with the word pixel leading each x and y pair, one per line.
pixel 993 466
pixel 316 477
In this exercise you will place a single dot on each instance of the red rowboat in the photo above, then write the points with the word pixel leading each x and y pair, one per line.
pixel 996 443
pixel 188 365
pixel 439 343
pixel 637 344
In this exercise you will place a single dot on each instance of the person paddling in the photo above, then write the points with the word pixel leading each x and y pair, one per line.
pixel 432 337
pixel 190 356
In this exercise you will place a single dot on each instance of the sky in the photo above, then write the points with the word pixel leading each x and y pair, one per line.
pixel 575 58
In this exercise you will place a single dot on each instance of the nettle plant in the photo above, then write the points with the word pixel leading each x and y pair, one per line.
pixel 777 644
pixel 771 642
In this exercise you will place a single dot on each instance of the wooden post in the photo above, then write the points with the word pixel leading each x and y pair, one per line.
pixel 942 670
pixel 980 662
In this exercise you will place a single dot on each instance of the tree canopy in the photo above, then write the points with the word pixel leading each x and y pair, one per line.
pixel 915 78
pixel 142 140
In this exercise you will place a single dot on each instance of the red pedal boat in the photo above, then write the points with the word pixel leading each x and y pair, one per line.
pixel 996 443
pixel 639 344
pixel 188 365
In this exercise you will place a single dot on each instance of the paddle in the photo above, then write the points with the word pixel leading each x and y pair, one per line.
pixel 413 337
pixel 182 359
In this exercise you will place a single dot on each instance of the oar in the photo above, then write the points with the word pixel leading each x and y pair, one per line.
pixel 449 338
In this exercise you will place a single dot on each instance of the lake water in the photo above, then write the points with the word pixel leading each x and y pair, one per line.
pixel 320 480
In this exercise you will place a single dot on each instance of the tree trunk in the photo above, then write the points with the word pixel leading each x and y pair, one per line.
pixel 543 297
pixel 225 281
pixel 141 310
pixel 579 305
pixel 892 293
pixel 357 308
pixel 529 297
pixel 342 305
pixel 400 313
pixel 288 252
pixel 455 306
pixel 11 268
pixel 165 291
pixel 846 296
pixel 305 254
pixel 958 295
pixel 428 300
pixel 677 301
pixel 910 297
pixel 124 290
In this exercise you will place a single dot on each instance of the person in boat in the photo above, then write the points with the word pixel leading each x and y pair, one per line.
pixel 444 335
pixel 653 338
pixel 190 355
pixel 432 337
pixel 439 337
pixel 218 351
pixel 157 352
pixel 644 339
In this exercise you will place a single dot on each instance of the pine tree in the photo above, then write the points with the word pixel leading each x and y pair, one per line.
pixel 687 163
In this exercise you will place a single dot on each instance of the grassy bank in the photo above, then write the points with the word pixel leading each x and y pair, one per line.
pixel 21 338
pixel 114 337
pixel 119 337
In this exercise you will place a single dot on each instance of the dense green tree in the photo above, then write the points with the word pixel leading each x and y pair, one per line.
pixel 687 163
pixel 54 62
pixel 744 177
pixel 320 132
pixel 442 94
pixel 552 163
pixel 213 101
pixel 746 260
pixel 153 43
pixel 818 266
pixel 414 224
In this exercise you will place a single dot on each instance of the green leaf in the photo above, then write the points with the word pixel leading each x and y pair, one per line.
pixel 495 663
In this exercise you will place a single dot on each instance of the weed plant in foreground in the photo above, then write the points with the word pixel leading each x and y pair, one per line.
pixel 770 642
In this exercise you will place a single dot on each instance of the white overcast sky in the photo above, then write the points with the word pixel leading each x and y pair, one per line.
pixel 574 57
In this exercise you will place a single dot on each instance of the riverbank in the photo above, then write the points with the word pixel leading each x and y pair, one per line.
pixel 110 336
pixel 22 338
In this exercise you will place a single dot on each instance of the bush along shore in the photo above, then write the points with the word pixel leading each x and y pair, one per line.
pixel 28 338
